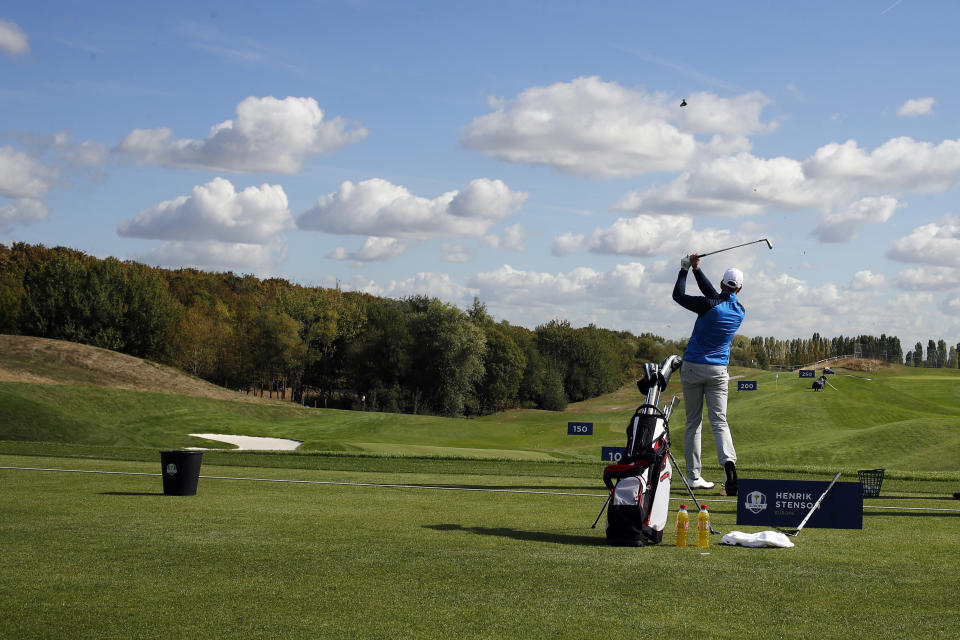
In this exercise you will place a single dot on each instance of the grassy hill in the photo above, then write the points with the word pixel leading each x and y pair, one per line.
pixel 894 417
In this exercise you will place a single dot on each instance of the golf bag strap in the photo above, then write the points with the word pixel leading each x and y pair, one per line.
pixel 656 411
pixel 620 471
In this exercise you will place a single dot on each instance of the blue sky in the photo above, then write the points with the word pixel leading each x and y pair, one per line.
pixel 532 154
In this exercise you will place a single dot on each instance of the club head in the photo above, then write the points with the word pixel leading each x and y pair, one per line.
pixel 769 245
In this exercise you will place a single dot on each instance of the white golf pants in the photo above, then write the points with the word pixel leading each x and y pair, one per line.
pixel 705 382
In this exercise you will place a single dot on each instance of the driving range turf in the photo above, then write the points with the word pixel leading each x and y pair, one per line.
pixel 336 554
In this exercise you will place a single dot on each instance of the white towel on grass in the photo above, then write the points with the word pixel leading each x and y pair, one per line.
pixel 762 539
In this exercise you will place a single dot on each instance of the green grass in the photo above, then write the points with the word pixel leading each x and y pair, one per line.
pixel 108 556
pixel 901 419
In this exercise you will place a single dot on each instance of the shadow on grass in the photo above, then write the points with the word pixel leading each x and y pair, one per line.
pixel 130 493
pixel 526 536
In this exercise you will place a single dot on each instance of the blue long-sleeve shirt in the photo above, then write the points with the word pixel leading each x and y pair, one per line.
pixel 719 315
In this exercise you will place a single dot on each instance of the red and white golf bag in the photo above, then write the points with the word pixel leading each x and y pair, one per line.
pixel 640 482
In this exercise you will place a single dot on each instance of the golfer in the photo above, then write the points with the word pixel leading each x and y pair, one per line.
pixel 704 373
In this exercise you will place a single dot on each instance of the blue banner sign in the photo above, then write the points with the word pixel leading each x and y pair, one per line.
pixel 746 385
pixel 579 428
pixel 785 503
pixel 808 373
pixel 612 454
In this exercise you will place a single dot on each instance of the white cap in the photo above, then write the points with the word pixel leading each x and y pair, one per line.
pixel 733 278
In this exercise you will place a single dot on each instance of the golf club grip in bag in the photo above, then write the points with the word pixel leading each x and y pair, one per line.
pixel 640 483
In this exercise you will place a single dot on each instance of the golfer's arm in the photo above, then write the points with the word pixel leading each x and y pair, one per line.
pixel 704 283
pixel 697 304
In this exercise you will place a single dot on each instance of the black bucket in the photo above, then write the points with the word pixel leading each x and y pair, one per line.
pixel 870 482
pixel 180 471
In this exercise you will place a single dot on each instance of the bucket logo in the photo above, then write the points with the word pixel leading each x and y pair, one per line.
pixel 755 502
pixel 171 469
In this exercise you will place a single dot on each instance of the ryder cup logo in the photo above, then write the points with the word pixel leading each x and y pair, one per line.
pixel 755 502
pixel 171 469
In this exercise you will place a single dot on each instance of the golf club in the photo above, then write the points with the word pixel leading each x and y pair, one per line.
pixel 676 467
pixel 769 246
pixel 815 506
pixel 689 490
pixel 655 379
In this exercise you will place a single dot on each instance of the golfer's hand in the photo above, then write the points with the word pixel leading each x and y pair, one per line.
pixel 685 262
pixel 694 260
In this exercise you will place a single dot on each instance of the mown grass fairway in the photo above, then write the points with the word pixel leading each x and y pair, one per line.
pixel 108 556
pixel 93 555
pixel 898 418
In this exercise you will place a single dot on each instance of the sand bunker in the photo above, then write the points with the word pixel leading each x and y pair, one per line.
pixel 251 443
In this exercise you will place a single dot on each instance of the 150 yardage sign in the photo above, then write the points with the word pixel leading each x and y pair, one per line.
pixel 579 428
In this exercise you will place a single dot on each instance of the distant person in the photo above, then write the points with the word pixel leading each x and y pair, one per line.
pixel 704 374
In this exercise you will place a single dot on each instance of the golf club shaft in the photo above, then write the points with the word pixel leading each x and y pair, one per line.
pixel 702 255
pixel 687 485
pixel 817 503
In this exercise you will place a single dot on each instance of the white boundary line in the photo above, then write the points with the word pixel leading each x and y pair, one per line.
pixel 416 486
pixel 324 482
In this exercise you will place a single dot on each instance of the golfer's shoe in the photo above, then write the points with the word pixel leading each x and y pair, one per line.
pixel 700 483
pixel 730 486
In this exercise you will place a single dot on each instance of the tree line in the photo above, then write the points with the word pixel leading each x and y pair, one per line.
pixel 326 347
pixel 312 345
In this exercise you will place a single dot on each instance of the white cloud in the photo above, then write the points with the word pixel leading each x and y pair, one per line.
pixel 25 182
pixel 88 154
pixel 434 285
pixel 743 184
pixel 484 198
pixel 268 134
pixel 951 307
pixel 936 243
pixel 597 128
pixel 513 238
pixel 378 208
pixel 842 226
pixel 13 41
pixel 644 236
pixel 515 286
pixel 456 252
pixel 929 279
pixel 21 211
pixel 867 280
pixel 912 304
pixel 215 256
pixel 899 163
pixel 737 185
pixel 373 250
pixel 637 297
pixel 916 107
pixel 707 113
pixel 568 243
pixel 22 176
pixel 215 211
